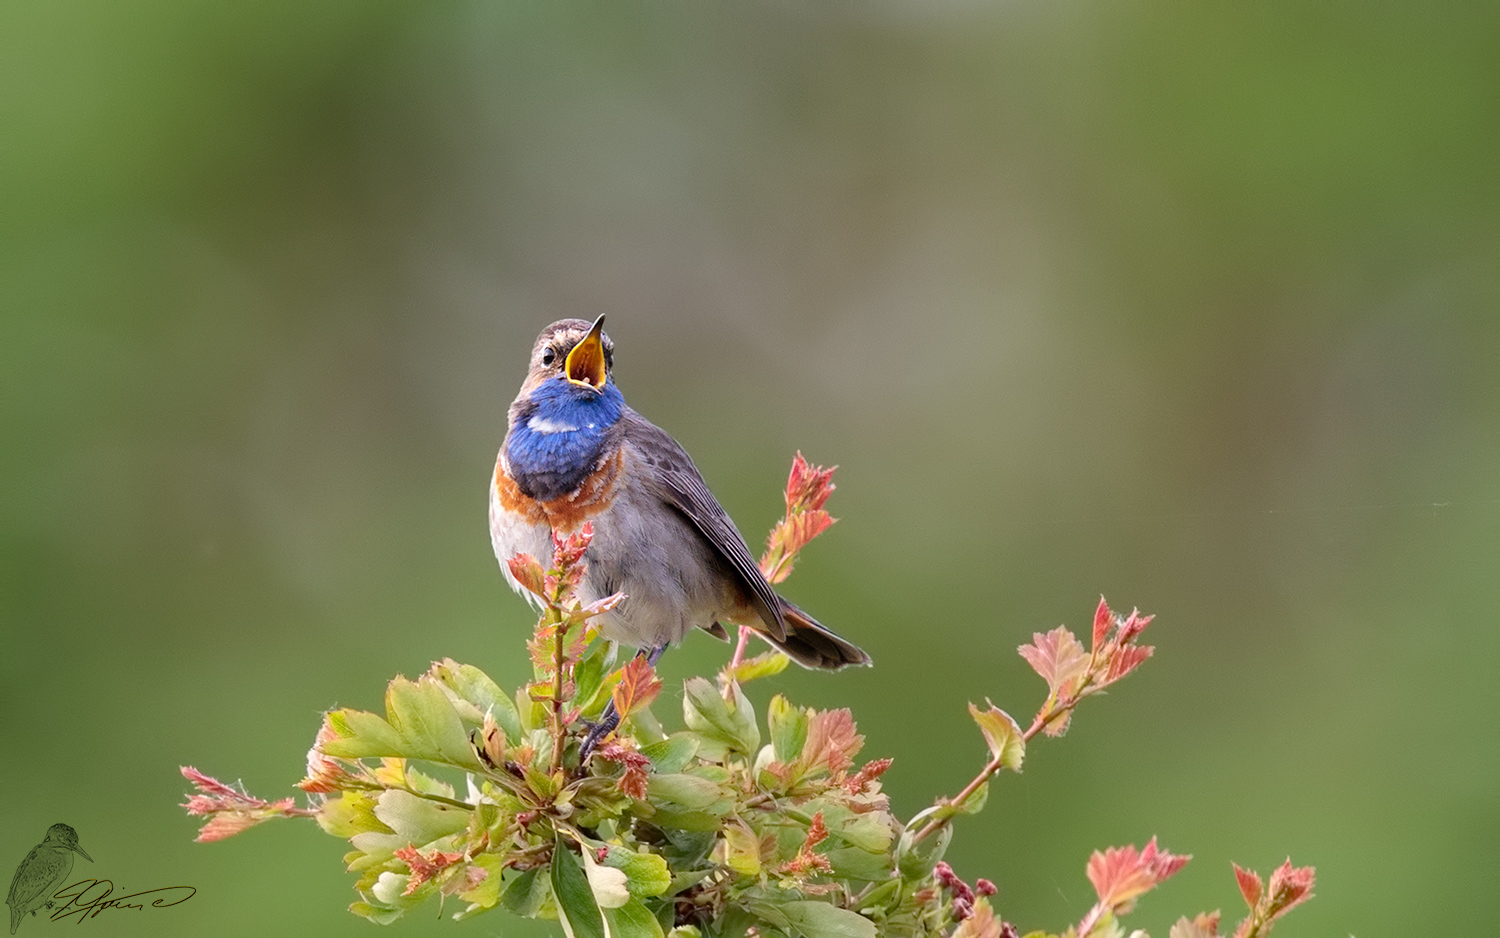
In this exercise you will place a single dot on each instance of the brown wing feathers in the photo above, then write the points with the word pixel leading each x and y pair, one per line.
pixel 789 628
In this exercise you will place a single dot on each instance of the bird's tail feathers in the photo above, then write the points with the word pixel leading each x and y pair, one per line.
pixel 812 644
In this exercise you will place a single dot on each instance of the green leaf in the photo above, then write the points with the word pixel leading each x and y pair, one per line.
pixel 588 675
pixel 646 874
pixel 788 725
pixel 690 791
pixel 353 812
pixel 526 894
pixel 422 713
pixel 390 891
pixel 1002 734
pixel 744 716
pixel 545 784
pixel 854 863
pixel 475 687
pixel 576 907
pixel 880 895
pixel 418 820
pixel 532 715
pixel 821 920
pixel 424 784
pixel 742 848
pixel 610 885
pixel 633 920
pixel 671 819
pixel 380 915
pixel 691 878
pixel 671 754
pixel 732 725
pixel 915 859
pixel 768 664
pixel 487 893
pixel 645 727
pixel 975 802
pixel 870 831
pixel 688 848
pixel 362 735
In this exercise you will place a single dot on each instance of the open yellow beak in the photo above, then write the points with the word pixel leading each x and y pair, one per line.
pixel 585 364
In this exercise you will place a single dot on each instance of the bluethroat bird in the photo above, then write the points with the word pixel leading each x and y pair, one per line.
pixel 575 452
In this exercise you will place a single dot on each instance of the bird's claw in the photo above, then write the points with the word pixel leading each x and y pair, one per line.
pixel 597 733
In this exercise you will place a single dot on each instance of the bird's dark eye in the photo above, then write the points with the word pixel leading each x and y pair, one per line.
pixel 549 355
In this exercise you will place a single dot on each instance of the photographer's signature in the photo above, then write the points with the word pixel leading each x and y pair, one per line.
pixel 89 897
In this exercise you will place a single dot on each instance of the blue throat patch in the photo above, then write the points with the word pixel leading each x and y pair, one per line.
pixel 559 436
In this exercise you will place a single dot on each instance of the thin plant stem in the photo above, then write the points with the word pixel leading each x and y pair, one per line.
pixel 1048 714
pixel 558 654
pixel 739 648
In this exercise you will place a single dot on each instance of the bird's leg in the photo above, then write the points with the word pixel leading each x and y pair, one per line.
pixel 610 719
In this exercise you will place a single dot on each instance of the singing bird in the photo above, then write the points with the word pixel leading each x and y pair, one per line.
pixel 43 872
pixel 575 453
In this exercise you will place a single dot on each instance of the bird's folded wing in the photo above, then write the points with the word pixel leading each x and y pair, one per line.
pixel 682 487
pixel 33 876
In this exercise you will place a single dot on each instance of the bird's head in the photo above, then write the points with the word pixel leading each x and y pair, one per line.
pixel 65 836
pixel 574 352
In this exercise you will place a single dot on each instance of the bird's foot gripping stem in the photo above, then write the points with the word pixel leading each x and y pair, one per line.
pixel 609 721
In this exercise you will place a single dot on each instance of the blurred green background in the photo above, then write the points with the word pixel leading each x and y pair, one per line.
pixel 1192 306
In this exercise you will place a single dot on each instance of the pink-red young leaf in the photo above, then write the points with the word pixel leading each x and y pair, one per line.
pixel 817 832
pixel 1202 925
pixel 1103 619
pixel 1125 659
pixel 1133 626
pixel 1290 887
pixel 808 860
pixel 324 775
pixel 634 782
pixel 808 486
pixel 600 605
pixel 209 785
pixel 831 743
pixel 1122 874
pixel 223 826
pixel 859 781
pixel 424 868
pixel 638 686
pixel 1058 658
pixel 1250 884
pixel 528 572
pixel 492 741
pixel 802 528
pixel 568 550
